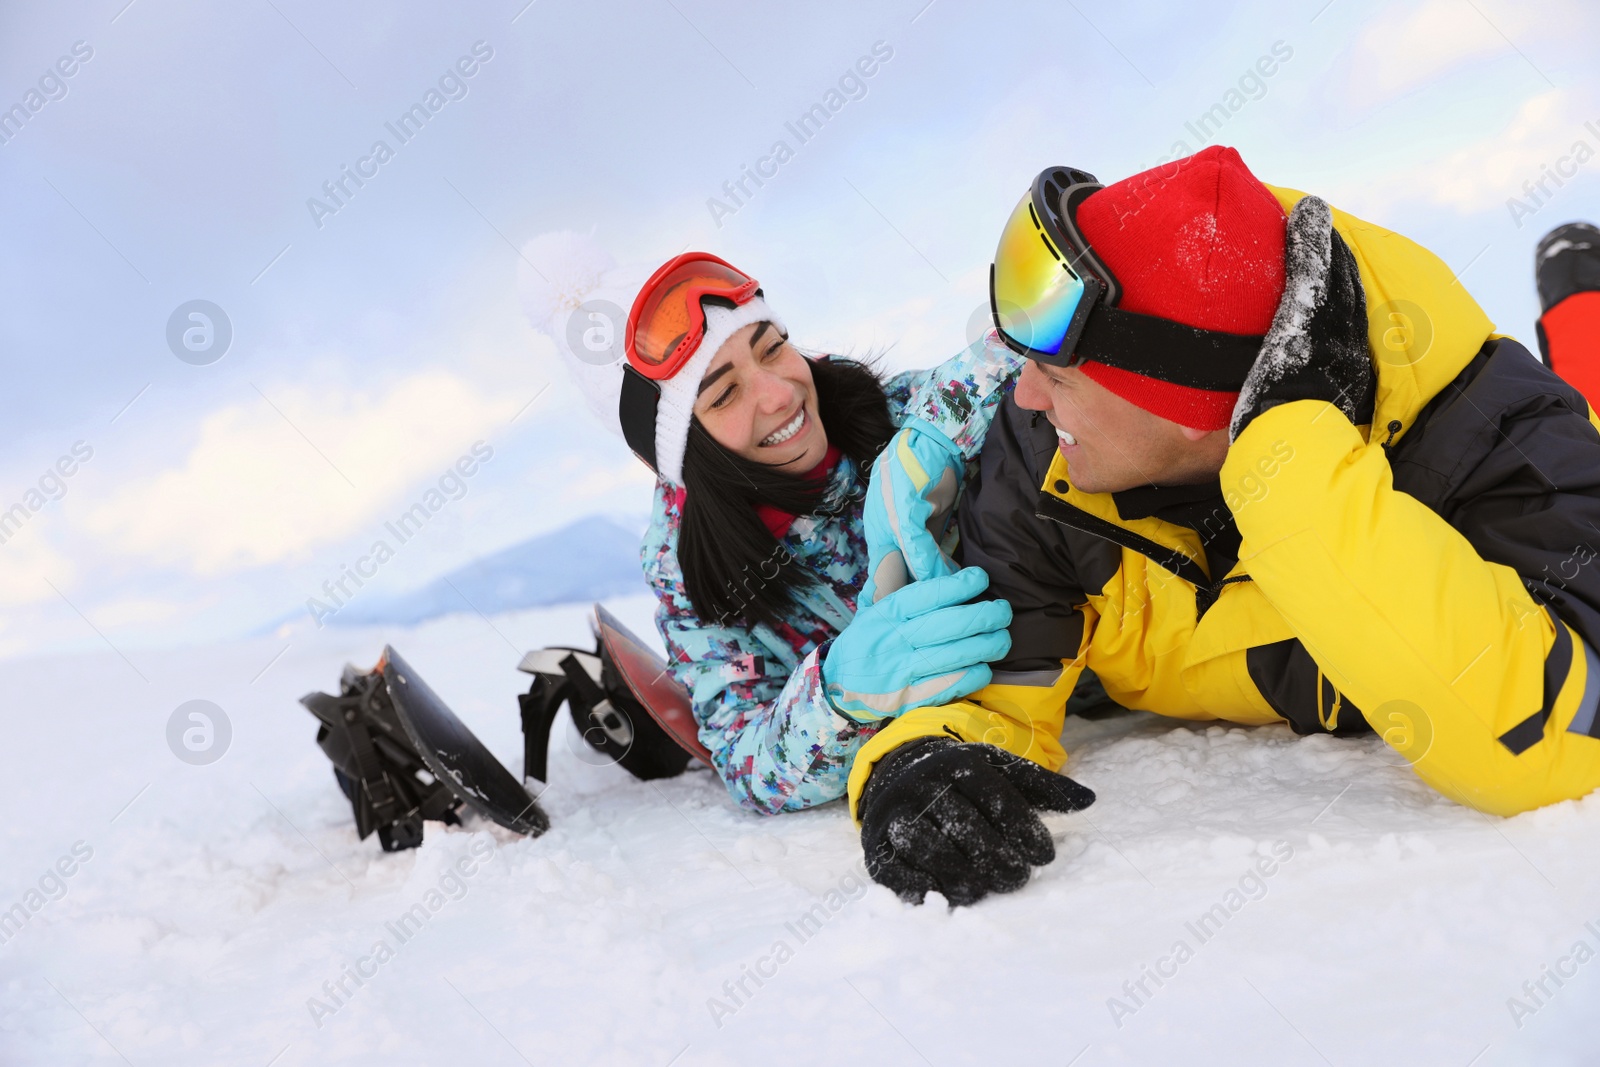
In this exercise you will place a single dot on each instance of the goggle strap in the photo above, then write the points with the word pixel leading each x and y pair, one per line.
pixel 637 413
pixel 1165 350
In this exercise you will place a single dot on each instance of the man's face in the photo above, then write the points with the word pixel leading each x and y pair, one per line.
pixel 1111 444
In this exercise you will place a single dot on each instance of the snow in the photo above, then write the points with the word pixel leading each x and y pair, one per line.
pixel 1363 919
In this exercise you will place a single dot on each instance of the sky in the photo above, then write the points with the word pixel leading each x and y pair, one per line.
pixel 376 341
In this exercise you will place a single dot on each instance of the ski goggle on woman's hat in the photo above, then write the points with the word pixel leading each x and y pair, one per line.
pixel 683 314
pixel 668 320
pixel 1054 300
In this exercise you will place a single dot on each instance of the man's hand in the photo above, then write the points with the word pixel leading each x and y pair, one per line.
pixel 1317 348
pixel 918 647
pixel 957 817
pixel 908 508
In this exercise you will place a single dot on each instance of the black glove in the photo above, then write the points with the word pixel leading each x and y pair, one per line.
pixel 959 817
pixel 1317 348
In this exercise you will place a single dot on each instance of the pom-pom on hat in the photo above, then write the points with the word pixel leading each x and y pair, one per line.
pixel 574 291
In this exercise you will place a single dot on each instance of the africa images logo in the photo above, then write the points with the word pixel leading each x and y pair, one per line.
pixel 52 85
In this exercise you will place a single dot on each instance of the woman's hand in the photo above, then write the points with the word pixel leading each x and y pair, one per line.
pixel 920 646
pixel 908 509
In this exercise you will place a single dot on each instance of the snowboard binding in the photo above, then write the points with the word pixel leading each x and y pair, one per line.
pixel 389 787
pixel 626 706
pixel 608 716
pixel 402 757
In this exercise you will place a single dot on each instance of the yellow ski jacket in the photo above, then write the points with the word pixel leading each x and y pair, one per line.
pixel 1431 576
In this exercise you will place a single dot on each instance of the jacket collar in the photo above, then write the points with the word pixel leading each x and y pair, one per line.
pixel 1423 325
pixel 1176 547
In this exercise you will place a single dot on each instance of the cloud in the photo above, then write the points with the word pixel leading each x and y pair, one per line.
pixel 138 611
pixel 919 331
pixel 1407 47
pixel 254 490
pixel 26 561
pixel 583 481
pixel 1482 174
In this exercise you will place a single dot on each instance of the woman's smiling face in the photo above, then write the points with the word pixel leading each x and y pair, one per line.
pixel 757 400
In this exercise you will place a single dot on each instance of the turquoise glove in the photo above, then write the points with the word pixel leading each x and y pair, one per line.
pixel 917 647
pixel 908 509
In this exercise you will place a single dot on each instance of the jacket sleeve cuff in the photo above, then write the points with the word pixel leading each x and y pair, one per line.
pixel 803 758
pixel 1029 728
pixel 959 398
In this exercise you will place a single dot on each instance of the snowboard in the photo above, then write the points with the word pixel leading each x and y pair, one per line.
pixel 455 755
pixel 646 674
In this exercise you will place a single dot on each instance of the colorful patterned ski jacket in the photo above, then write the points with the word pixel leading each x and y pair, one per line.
pixel 757 691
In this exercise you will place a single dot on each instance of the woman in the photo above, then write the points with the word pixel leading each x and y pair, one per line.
pixel 755 547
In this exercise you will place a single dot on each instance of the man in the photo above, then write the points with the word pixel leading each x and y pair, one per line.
pixel 1266 463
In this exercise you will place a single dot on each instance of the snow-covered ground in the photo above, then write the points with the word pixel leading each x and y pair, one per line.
pixel 221 905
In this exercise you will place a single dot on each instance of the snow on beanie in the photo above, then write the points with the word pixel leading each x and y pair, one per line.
pixel 1198 241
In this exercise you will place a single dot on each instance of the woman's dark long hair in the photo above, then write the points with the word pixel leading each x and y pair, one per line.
pixel 734 570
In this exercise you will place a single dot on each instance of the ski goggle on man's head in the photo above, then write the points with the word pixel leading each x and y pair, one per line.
pixel 1045 279
pixel 668 322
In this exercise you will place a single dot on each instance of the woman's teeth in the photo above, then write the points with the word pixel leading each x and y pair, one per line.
pixel 783 433
pixel 1066 438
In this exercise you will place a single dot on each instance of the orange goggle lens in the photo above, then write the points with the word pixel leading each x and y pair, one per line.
pixel 667 321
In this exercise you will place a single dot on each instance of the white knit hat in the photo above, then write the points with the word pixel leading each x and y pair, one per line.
pixel 573 290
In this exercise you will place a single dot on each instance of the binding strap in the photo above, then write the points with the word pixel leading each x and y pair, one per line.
pixel 375 787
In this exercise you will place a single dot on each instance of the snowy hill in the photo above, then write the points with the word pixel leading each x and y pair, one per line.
pixel 1235 896
pixel 589 560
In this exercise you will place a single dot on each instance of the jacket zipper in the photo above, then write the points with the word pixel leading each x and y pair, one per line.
pixel 1206 591
pixel 1388 442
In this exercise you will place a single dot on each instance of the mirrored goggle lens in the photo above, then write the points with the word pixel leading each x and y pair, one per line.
pixel 1035 292
pixel 669 314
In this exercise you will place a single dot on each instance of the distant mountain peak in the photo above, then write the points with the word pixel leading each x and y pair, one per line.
pixel 587 560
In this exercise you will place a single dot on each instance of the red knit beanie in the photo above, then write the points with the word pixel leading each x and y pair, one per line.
pixel 1198 241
